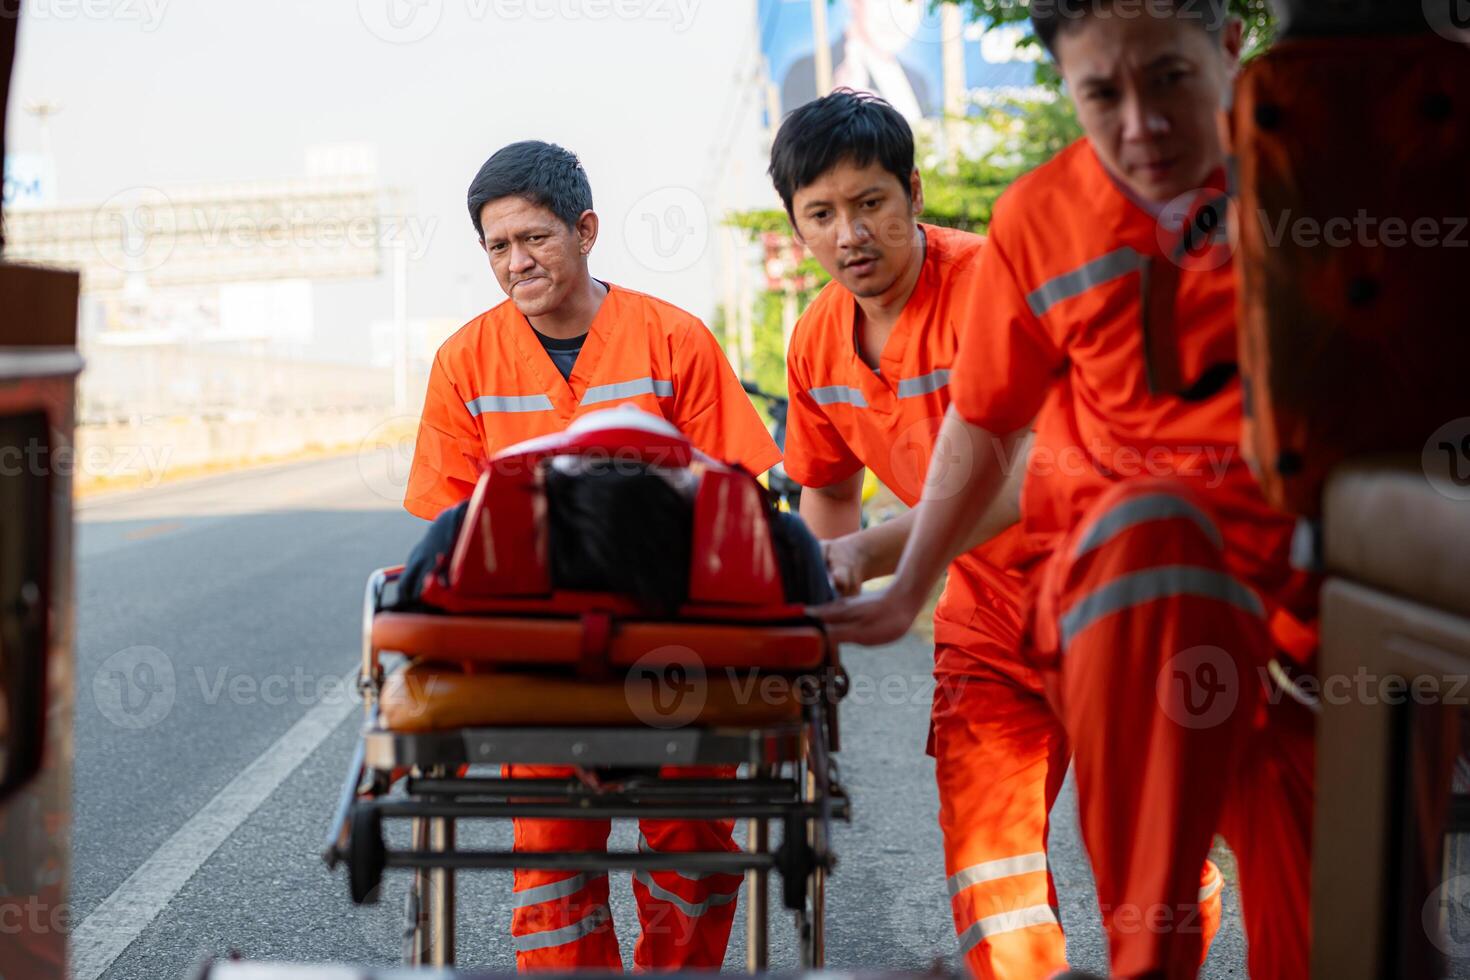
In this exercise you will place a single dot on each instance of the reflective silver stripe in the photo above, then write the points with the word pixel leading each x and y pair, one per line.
pixel 691 909
pixel 508 403
pixel 1207 892
pixel 1000 868
pixel 1157 583
pixel 553 891
pixel 1111 266
pixel 838 395
pixel 587 925
pixel 1141 510
pixel 690 876
pixel 994 925
pixel 628 389
pixel 923 384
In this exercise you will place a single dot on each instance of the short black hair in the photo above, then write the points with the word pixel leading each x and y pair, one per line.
pixel 1052 17
pixel 844 126
pixel 542 173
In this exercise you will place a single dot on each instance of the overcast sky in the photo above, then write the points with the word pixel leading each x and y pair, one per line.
pixel 161 92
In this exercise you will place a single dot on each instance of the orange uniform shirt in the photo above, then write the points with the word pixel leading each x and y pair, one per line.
pixel 844 416
pixel 1070 280
pixel 493 385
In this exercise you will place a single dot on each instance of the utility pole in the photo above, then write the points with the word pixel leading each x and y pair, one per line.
pixel 44 111
pixel 952 34
pixel 821 48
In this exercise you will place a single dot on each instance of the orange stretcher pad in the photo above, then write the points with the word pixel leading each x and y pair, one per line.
pixel 510 650
pixel 524 670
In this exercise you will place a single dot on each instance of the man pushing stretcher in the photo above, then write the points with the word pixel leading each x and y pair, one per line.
pixel 1165 588
pixel 565 344
pixel 869 372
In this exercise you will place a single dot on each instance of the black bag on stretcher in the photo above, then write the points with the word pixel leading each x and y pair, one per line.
pixel 620 504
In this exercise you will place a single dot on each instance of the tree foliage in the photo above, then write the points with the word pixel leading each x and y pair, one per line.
pixel 1260 25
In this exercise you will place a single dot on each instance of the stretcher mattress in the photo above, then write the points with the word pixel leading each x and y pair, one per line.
pixel 537 641
pixel 428 696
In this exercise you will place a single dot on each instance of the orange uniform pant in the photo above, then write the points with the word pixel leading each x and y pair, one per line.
pixel 1154 649
pixel 562 919
pixel 1000 758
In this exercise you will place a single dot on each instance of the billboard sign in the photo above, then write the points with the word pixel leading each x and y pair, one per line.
pixel 892 48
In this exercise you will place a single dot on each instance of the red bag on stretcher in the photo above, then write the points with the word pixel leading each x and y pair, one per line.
pixel 622 508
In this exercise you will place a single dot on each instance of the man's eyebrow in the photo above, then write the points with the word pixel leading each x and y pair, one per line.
pixel 823 203
pixel 1169 57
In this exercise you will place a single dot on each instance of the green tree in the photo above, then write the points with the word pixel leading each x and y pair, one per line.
pixel 1260 25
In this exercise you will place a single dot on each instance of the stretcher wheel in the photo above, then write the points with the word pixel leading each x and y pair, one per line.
pixel 796 861
pixel 367 855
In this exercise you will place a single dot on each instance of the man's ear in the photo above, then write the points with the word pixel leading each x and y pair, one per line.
pixel 795 231
pixel 586 229
pixel 916 192
pixel 1232 41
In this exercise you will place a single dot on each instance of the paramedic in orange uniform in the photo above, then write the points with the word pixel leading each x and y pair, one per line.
pixel 1168 590
pixel 868 374
pixel 562 345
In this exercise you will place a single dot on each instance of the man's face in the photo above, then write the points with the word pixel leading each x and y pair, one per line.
pixel 1148 88
pixel 859 224
pixel 536 258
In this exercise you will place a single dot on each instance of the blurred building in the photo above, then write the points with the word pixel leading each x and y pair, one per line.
pixel 201 299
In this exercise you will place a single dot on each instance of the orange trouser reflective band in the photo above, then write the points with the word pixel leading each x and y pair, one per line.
pixel 1000 758
pixel 1154 651
pixel 561 919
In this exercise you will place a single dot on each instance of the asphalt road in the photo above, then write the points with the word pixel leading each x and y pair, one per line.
pixel 217 621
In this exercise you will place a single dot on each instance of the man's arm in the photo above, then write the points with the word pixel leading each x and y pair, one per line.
pixel 875 551
pixel 835 510
pixel 956 497
pixel 448 454
pixel 712 408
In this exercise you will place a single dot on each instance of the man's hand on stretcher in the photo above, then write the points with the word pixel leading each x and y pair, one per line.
pixel 966 502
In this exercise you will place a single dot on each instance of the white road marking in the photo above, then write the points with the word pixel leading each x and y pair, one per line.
pixel 104 935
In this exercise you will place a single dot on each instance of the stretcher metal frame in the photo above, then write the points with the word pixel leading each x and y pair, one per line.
pixel 789 778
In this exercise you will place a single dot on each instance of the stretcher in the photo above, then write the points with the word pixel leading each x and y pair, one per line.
pixel 509 670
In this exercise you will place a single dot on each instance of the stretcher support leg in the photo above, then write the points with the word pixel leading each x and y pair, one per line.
pixel 441 896
pixel 420 921
pixel 817 886
pixel 757 896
